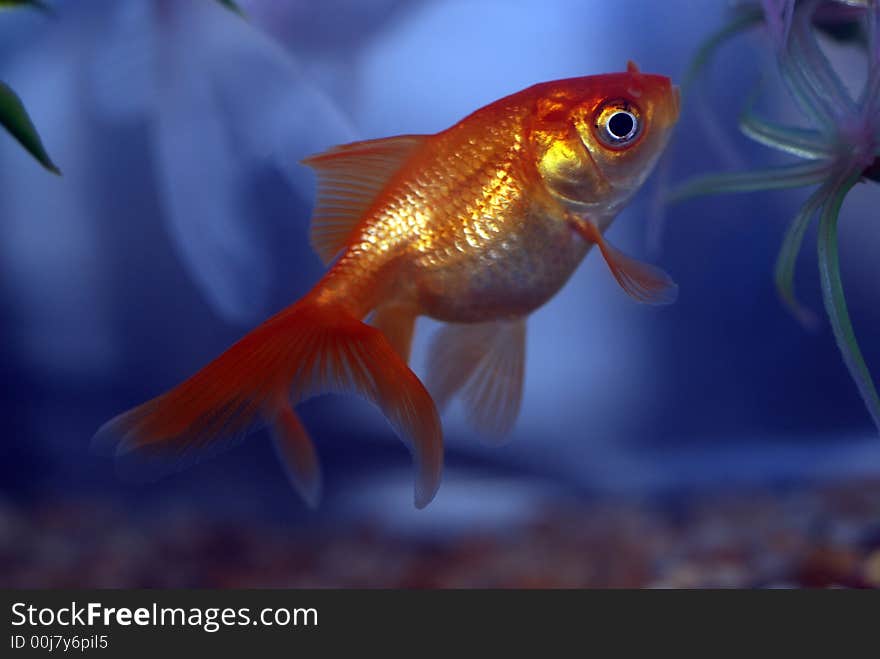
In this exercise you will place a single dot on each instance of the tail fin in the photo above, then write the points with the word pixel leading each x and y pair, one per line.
pixel 307 349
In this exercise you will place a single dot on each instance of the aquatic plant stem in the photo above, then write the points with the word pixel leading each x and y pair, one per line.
pixel 774 178
pixel 787 259
pixel 749 17
pixel 835 301
pixel 800 142
pixel 804 54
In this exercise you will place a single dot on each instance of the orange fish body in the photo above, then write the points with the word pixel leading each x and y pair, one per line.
pixel 477 226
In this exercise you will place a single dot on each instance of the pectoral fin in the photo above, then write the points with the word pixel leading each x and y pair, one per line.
pixel 642 281
pixel 485 362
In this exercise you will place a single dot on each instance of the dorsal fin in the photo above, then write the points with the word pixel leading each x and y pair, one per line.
pixel 349 179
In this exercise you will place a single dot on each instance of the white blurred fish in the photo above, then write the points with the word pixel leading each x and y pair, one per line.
pixel 222 98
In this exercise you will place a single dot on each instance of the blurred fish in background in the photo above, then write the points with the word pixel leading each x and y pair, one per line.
pixel 711 443
pixel 221 98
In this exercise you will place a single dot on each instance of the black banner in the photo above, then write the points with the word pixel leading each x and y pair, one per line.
pixel 131 623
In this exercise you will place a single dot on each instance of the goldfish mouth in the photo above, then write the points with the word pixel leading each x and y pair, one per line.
pixel 676 102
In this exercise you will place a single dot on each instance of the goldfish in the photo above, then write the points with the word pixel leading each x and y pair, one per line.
pixel 477 226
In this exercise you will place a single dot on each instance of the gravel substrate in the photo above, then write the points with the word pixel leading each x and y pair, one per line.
pixel 821 537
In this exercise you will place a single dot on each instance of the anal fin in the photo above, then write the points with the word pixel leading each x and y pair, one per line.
pixel 484 363
pixel 396 322
pixel 297 453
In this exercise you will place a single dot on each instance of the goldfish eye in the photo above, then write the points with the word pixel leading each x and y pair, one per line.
pixel 617 123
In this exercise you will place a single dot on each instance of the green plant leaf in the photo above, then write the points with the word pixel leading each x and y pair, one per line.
pixel 773 178
pixel 36 4
pixel 812 74
pixel 745 18
pixel 835 302
pixel 14 118
pixel 791 246
pixel 800 142
pixel 231 5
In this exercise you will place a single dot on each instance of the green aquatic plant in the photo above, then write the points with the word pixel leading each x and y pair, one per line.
pixel 840 149
pixel 35 4
pixel 836 19
pixel 13 115
pixel 15 119
pixel 232 6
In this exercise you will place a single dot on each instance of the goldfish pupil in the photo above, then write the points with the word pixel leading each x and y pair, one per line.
pixel 621 125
